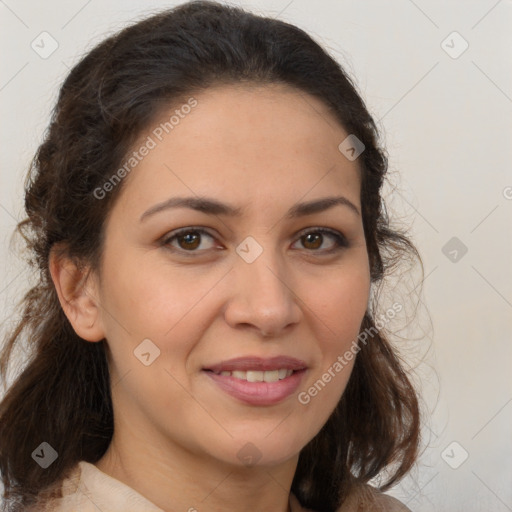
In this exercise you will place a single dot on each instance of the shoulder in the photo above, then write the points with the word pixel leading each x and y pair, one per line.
pixel 390 504
pixel 53 498
pixel 366 497
pixel 64 495
pixel 362 498
pixel 88 489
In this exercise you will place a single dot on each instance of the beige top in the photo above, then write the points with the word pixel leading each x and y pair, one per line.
pixel 88 489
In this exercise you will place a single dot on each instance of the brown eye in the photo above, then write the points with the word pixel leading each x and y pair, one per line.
pixel 190 240
pixel 187 240
pixel 314 239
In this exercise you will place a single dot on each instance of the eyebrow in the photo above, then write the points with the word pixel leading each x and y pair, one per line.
pixel 214 207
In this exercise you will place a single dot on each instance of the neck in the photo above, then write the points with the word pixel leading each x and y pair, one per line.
pixel 176 479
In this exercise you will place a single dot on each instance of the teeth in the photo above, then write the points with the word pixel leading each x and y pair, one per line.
pixel 271 376
pixel 259 376
pixel 282 373
pixel 254 376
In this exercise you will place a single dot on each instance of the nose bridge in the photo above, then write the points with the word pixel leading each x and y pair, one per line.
pixel 262 293
pixel 262 277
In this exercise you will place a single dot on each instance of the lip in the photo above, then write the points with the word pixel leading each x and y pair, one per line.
pixel 257 363
pixel 258 393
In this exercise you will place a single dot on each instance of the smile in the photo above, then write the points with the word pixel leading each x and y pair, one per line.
pixel 257 388
pixel 258 376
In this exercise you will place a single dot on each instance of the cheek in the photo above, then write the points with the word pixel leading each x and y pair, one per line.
pixel 340 306
pixel 342 301
pixel 149 300
pixel 143 303
pixel 171 308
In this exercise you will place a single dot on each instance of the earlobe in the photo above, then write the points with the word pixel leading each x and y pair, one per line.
pixel 78 297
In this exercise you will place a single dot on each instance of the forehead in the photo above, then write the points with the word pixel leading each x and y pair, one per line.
pixel 244 142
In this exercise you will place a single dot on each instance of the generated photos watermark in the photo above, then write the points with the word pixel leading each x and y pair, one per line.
pixel 343 360
pixel 151 142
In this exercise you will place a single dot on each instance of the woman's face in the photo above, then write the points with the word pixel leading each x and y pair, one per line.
pixel 260 284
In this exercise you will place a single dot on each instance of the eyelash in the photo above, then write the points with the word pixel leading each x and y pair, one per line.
pixel 340 240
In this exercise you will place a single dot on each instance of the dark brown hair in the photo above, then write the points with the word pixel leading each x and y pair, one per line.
pixel 62 395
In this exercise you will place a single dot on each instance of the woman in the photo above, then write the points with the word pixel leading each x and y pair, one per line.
pixel 205 212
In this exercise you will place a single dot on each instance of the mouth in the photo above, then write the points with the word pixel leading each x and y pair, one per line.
pixel 257 375
pixel 258 364
pixel 257 381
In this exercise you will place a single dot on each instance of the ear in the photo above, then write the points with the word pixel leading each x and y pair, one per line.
pixel 77 291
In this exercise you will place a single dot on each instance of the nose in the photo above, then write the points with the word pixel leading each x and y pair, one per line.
pixel 262 296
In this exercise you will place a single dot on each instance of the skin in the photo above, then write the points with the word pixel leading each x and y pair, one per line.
pixel 177 434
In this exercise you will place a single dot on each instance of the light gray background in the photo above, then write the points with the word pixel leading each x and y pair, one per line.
pixel 447 126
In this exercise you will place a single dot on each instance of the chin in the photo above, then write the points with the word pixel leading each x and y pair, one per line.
pixel 264 451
